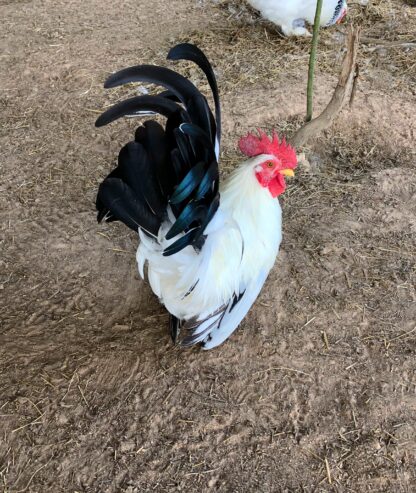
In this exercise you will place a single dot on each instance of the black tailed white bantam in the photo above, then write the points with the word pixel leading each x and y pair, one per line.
pixel 291 15
pixel 208 246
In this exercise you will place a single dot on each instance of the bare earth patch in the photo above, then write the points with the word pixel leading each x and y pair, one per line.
pixel 316 391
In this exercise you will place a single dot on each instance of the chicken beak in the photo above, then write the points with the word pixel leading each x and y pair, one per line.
pixel 287 172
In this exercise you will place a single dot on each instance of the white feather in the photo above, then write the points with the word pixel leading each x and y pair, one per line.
pixel 233 318
pixel 242 241
pixel 217 148
pixel 288 13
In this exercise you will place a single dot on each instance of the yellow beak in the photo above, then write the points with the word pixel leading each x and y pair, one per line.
pixel 287 172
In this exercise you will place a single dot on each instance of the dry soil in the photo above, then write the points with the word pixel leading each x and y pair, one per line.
pixel 316 391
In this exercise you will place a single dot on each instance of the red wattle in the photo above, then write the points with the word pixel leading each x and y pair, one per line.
pixel 262 179
pixel 277 186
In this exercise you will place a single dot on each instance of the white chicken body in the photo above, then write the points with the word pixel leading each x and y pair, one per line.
pixel 291 14
pixel 242 242
pixel 208 244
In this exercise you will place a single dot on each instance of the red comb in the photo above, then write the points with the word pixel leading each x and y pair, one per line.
pixel 251 145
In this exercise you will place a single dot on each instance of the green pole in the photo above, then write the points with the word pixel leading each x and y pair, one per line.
pixel 312 58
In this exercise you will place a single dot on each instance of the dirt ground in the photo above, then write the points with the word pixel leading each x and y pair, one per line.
pixel 316 391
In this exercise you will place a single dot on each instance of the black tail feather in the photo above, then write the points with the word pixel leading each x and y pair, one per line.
pixel 198 106
pixel 128 208
pixel 180 244
pixel 154 140
pixel 156 104
pixel 177 84
pixel 191 213
pixel 187 51
pixel 137 170
pixel 207 185
pixel 189 183
pixel 175 166
pixel 185 149
pixel 201 141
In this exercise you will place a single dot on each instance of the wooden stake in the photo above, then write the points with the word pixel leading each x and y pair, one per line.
pixel 341 94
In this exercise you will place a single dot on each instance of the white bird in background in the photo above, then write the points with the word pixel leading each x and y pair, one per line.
pixel 208 247
pixel 290 15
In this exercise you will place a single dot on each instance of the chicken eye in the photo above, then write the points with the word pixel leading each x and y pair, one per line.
pixel 270 164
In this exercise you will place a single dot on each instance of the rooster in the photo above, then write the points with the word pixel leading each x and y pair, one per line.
pixel 208 247
pixel 291 15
